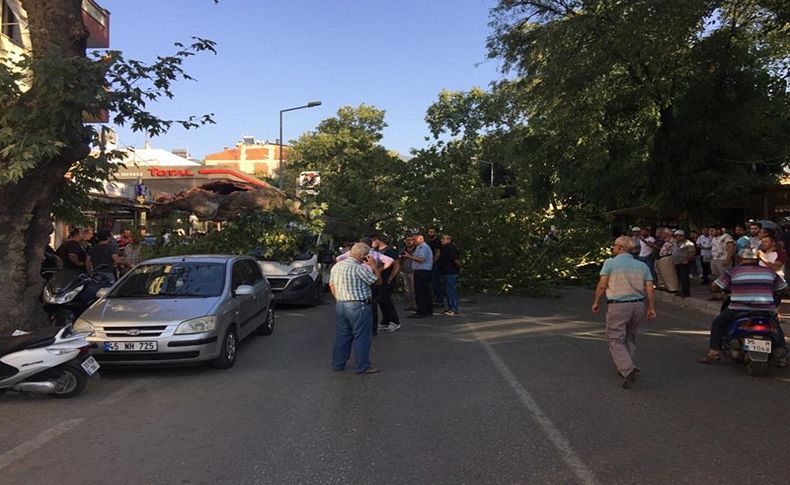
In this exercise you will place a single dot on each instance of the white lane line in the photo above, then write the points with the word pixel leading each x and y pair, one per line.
pixel 124 392
pixel 33 444
pixel 555 436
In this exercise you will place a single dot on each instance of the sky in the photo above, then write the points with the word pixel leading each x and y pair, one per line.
pixel 396 55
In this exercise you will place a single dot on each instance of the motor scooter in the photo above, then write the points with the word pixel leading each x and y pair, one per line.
pixel 53 361
pixel 68 293
pixel 753 339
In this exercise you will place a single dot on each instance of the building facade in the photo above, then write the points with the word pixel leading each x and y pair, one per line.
pixel 250 156
pixel 15 36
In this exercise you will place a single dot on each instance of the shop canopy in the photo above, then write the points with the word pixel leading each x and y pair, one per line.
pixel 145 157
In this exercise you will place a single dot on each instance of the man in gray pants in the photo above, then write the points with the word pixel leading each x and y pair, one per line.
pixel 627 283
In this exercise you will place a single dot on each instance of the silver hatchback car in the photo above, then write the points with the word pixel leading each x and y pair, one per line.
pixel 180 309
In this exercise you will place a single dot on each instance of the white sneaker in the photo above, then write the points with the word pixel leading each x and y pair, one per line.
pixel 384 326
pixel 393 327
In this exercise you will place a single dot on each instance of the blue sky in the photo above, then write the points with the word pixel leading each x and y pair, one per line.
pixel 274 54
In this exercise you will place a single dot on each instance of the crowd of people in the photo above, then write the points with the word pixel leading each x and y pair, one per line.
pixel 87 251
pixel 750 266
pixel 365 277
pixel 676 257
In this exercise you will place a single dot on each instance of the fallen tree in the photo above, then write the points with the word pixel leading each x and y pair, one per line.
pixel 224 201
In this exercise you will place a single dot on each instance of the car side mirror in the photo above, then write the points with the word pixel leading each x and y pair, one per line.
pixel 102 292
pixel 244 290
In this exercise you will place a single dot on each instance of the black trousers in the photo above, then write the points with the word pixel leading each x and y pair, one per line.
pixel 684 275
pixel 422 292
pixel 374 304
pixel 389 314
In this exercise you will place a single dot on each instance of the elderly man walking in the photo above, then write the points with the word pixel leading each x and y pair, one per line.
pixel 350 282
pixel 626 282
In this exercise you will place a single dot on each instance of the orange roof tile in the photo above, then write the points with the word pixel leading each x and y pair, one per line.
pixel 229 154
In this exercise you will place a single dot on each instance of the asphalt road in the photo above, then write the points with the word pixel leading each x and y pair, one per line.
pixel 515 391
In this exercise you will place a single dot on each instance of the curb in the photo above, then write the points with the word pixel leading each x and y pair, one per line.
pixel 691 303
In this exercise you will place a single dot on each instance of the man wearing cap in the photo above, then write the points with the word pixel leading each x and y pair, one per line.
pixel 752 287
pixel 626 282
pixel 683 253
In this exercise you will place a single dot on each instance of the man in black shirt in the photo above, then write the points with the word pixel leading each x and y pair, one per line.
pixel 389 276
pixel 102 255
pixel 71 252
pixel 435 242
pixel 448 265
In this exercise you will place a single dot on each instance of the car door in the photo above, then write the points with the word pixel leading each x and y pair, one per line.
pixel 263 295
pixel 244 303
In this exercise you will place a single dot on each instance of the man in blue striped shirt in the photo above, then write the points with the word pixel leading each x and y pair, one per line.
pixel 350 282
pixel 752 287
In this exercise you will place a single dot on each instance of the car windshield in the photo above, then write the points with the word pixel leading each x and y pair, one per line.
pixel 172 280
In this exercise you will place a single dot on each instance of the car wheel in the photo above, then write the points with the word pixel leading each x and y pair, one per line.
pixel 267 327
pixel 227 354
pixel 71 381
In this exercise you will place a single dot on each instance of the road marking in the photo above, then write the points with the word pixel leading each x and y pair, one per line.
pixel 124 392
pixel 555 436
pixel 33 444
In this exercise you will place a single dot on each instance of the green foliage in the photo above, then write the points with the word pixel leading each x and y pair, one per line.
pixel 502 230
pixel 270 235
pixel 624 99
pixel 358 175
pixel 37 129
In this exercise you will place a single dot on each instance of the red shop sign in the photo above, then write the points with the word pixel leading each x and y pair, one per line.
pixel 180 172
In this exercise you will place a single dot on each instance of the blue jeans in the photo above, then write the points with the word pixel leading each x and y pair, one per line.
pixel 451 287
pixel 353 320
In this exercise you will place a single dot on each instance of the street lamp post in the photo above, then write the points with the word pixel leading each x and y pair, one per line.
pixel 311 104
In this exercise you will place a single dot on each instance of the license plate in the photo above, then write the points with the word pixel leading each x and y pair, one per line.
pixel 754 345
pixel 90 366
pixel 130 346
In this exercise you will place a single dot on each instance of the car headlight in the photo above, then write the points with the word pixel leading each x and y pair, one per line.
pixel 49 297
pixel 197 325
pixel 81 326
pixel 302 270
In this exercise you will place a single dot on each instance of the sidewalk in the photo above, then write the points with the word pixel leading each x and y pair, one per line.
pixel 700 300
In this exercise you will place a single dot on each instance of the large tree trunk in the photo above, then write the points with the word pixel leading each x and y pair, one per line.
pixel 56 29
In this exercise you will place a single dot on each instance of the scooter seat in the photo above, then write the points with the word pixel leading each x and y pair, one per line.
pixel 39 338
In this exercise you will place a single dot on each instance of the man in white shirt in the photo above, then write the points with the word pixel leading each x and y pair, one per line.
pixel 705 244
pixel 722 250
pixel 384 261
pixel 647 251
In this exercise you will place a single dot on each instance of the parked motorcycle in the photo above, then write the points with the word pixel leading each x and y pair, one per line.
pixel 753 339
pixel 51 361
pixel 68 293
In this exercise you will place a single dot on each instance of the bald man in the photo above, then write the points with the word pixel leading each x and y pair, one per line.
pixel 627 283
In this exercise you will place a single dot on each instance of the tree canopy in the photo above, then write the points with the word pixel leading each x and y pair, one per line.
pixel 359 176
pixel 46 156
pixel 625 99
